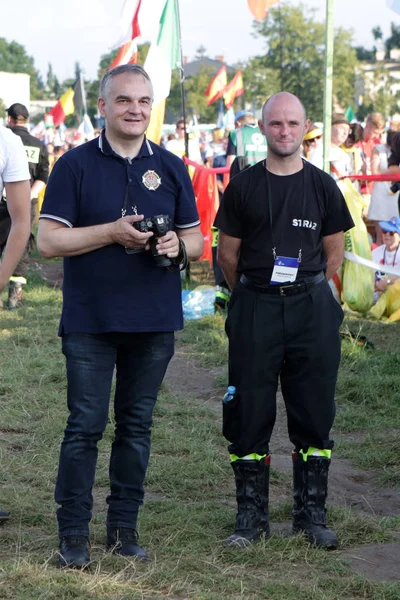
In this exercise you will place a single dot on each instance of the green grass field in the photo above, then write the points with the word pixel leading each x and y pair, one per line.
pixel 190 506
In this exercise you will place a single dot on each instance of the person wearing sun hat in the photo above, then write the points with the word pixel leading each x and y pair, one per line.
pixel 339 160
pixel 312 139
pixel 388 254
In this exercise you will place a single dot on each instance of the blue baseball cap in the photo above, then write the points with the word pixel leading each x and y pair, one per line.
pixel 242 113
pixel 392 225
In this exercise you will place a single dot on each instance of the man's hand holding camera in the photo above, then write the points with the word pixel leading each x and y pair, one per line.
pixel 168 244
pixel 123 233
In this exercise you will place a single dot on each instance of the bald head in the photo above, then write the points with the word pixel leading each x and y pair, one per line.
pixel 284 124
pixel 285 98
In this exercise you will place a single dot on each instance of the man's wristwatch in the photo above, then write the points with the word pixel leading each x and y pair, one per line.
pixel 388 281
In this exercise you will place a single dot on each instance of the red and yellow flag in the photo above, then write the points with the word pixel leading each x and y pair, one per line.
pixel 128 51
pixel 65 106
pixel 234 89
pixel 259 8
pixel 217 86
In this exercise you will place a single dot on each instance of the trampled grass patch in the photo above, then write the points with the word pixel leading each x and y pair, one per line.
pixel 191 507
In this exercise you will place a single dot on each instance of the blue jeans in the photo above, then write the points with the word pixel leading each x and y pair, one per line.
pixel 141 360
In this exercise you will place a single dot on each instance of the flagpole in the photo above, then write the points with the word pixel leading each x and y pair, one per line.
pixel 327 117
pixel 182 78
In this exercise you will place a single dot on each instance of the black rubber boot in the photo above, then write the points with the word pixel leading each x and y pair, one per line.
pixel 15 298
pixel 74 552
pixel 125 541
pixel 310 479
pixel 252 483
pixel 4 515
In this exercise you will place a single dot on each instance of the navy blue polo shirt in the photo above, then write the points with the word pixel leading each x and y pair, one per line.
pixel 107 289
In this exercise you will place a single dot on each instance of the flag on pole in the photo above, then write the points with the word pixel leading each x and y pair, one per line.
pixel 126 54
pixel 234 89
pixel 220 119
pixel 79 96
pixel 128 50
pixel 394 5
pixel 350 114
pixel 85 128
pixel 64 107
pixel 259 8
pixel 217 85
pixel 164 56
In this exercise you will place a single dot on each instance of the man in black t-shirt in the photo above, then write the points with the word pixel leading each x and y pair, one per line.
pixel 38 162
pixel 282 226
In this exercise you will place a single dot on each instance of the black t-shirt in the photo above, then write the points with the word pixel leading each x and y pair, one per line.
pixel 299 220
pixel 394 158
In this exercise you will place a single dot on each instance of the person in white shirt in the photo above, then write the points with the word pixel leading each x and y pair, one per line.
pixel 15 180
pixel 340 164
pixel 388 254
pixel 177 145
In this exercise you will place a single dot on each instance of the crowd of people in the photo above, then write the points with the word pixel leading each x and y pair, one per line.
pixel 278 239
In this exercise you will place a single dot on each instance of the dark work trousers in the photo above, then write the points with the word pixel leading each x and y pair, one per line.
pixel 21 270
pixel 297 339
pixel 141 360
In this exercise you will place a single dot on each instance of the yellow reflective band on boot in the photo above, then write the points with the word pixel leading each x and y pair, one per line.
pixel 254 456
pixel 220 294
pixel 18 279
pixel 215 236
pixel 316 452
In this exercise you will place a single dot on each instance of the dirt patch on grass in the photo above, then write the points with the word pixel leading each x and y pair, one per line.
pixel 377 562
pixel 348 486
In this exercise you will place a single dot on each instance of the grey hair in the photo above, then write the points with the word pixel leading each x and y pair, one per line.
pixel 133 69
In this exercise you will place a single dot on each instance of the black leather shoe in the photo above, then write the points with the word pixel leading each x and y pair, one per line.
pixel 4 515
pixel 74 552
pixel 125 542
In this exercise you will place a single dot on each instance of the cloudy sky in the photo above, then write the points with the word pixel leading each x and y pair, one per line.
pixel 63 32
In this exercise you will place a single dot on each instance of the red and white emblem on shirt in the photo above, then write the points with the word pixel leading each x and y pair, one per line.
pixel 151 180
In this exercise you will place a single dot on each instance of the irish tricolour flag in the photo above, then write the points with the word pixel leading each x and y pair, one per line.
pixel 164 56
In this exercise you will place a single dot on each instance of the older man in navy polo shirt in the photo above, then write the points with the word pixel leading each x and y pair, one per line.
pixel 120 307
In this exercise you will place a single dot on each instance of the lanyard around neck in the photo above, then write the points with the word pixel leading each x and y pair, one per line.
pixel 270 210
pixel 394 258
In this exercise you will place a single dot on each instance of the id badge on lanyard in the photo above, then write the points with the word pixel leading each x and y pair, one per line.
pixel 285 267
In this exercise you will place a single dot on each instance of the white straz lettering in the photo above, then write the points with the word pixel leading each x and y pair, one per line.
pixel 304 223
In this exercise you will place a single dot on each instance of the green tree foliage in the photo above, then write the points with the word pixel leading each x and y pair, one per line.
pixel 3 109
pixel 294 60
pixel 377 33
pixel 52 83
pixel 380 96
pixel 365 54
pixel 14 59
pixel 393 41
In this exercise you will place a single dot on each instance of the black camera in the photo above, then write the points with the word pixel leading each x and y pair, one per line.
pixel 159 225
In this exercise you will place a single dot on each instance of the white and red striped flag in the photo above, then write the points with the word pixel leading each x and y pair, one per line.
pixel 128 44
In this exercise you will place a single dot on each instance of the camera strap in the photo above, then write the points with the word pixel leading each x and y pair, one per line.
pixel 126 202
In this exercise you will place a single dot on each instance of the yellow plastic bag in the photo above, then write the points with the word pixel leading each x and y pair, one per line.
pixel 388 304
pixel 357 280
pixel 395 316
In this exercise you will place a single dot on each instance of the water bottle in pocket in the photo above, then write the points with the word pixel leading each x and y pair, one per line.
pixel 230 414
